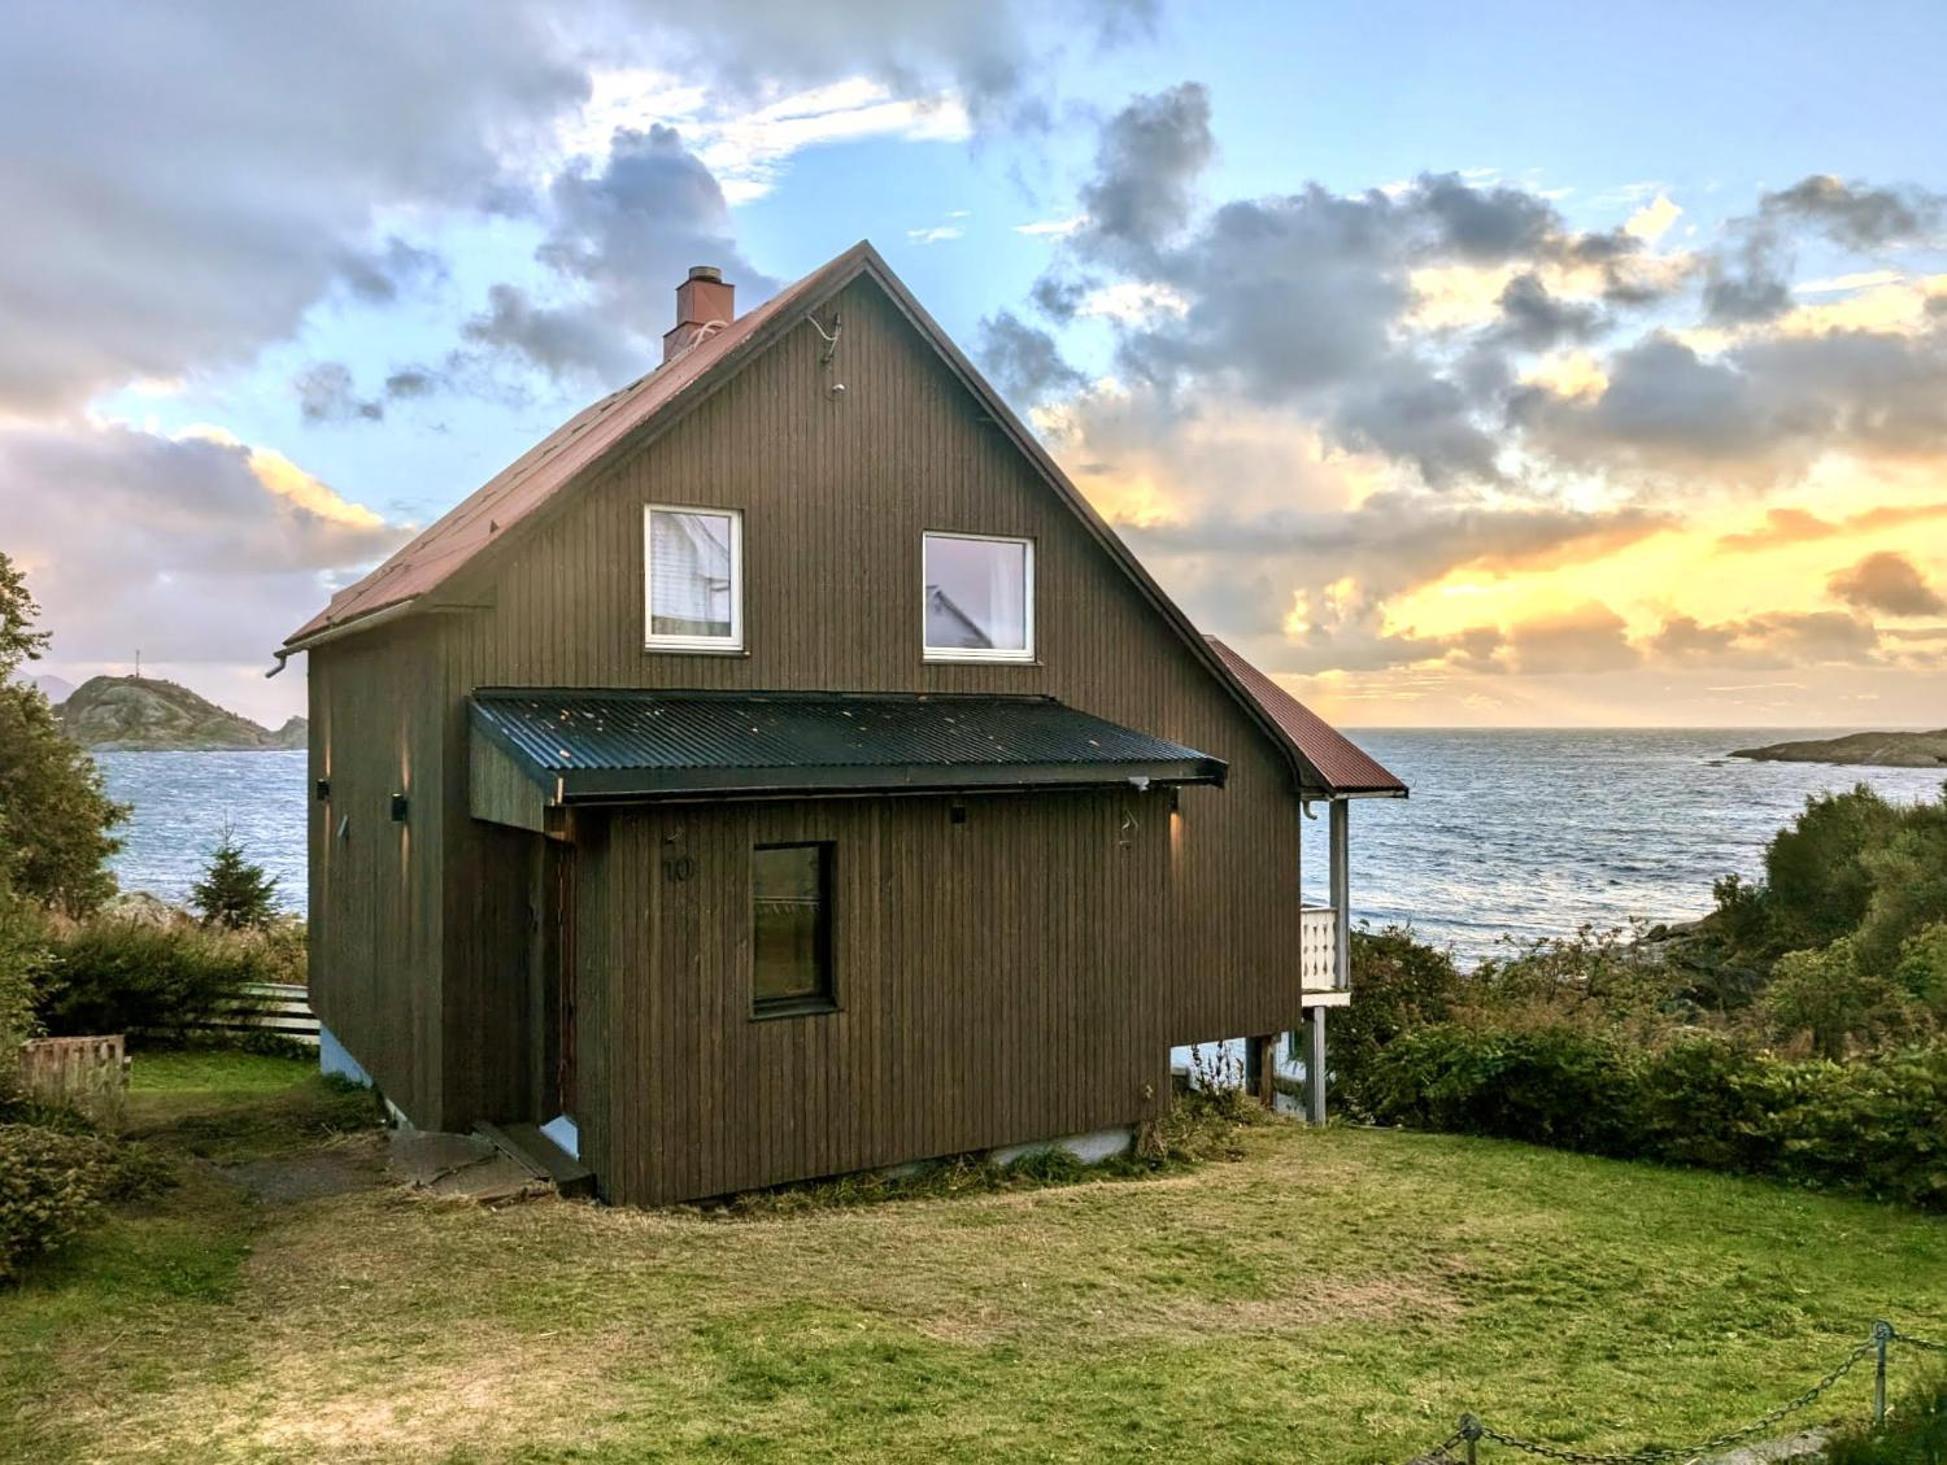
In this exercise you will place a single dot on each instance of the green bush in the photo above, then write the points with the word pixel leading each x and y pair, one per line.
pixel 1874 1126
pixel 52 1186
pixel 120 976
pixel 1402 984
pixel 1839 999
pixel 1852 865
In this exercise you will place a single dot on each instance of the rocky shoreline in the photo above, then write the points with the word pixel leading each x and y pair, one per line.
pixel 1865 749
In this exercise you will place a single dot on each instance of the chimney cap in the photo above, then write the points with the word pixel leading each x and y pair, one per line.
pixel 706 272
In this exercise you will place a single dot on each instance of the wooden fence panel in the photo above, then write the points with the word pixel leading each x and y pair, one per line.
pixel 89 1074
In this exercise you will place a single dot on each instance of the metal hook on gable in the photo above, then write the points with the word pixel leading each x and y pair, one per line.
pixel 826 357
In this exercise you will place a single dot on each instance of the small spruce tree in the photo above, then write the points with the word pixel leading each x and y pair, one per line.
pixel 234 893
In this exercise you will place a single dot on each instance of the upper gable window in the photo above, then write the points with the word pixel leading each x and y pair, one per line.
pixel 979 598
pixel 694 596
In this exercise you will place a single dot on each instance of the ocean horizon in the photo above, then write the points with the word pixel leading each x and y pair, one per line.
pixel 1510 834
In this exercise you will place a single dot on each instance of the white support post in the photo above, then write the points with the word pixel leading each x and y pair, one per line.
pixel 1341 894
pixel 1315 1065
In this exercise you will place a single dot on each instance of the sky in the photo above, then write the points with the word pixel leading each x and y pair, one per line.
pixel 1518 366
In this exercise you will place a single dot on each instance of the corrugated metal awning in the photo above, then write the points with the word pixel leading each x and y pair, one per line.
pixel 591 746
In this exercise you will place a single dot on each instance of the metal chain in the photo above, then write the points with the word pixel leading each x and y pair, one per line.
pixel 1921 1343
pixel 1766 1421
pixel 1440 1451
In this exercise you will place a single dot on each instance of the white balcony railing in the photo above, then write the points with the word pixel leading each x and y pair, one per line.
pixel 1317 951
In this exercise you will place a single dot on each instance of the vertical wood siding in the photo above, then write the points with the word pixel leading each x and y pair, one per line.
pixel 375 919
pixel 996 980
pixel 835 496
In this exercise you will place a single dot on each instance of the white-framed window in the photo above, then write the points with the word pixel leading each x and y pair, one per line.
pixel 977 597
pixel 693 578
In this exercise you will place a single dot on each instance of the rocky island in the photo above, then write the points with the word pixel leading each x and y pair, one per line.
pixel 1878 749
pixel 126 714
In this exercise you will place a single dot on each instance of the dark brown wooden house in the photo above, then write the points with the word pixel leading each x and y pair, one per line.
pixel 782 771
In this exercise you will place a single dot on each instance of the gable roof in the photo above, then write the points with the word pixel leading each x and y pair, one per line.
pixel 528 483
pixel 1335 763
pixel 519 494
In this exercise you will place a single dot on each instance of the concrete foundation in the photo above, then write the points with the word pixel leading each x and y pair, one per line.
pixel 1090 1149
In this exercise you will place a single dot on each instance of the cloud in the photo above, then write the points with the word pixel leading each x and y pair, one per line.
pixel 1855 214
pixel 198 181
pixel 1770 641
pixel 1748 280
pixel 1589 638
pixel 1147 163
pixel 182 223
pixel 197 548
pixel 1887 582
pixel 621 236
pixel 750 147
pixel 325 394
pixel 1318 301
pixel 1052 228
pixel 1653 220
pixel 1759 412
pixel 1784 526
pixel 1537 321
pixel 990 53
pixel 1023 360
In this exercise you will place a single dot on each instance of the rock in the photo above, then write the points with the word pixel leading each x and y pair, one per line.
pixel 124 714
pixel 1875 749
pixel 140 908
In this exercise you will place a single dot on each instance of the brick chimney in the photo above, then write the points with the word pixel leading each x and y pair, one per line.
pixel 700 299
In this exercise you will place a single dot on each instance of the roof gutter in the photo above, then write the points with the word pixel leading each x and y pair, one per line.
pixel 382 616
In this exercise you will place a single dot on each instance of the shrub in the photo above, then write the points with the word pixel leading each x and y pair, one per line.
pixel 119 976
pixel 1875 1126
pixel 52 1186
pixel 1402 984
pixel 1549 1085
pixel 1836 998
pixel 1921 970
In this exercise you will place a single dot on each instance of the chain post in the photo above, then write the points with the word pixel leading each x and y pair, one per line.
pixel 1882 1335
pixel 1471 1430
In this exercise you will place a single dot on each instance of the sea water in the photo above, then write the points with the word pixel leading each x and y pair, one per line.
pixel 1519 834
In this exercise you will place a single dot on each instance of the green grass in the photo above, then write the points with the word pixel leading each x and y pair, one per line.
pixel 224 1071
pixel 1335 1295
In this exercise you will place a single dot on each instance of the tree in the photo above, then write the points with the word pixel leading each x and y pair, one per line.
pixel 23 959
pixel 19 641
pixel 52 801
pixel 233 892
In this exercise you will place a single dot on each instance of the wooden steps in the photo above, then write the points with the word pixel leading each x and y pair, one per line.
pixel 526 1145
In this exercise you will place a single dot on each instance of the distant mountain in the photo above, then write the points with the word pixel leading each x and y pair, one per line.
pixel 55 689
pixel 127 714
pixel 1877 749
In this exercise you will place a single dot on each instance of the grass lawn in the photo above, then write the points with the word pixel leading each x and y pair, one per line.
pixel 1334 1295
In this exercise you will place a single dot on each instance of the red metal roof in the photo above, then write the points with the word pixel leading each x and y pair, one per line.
pixel 1339 764
pixel 533 478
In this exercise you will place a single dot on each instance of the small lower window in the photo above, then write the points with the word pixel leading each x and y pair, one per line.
pixel 791 928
